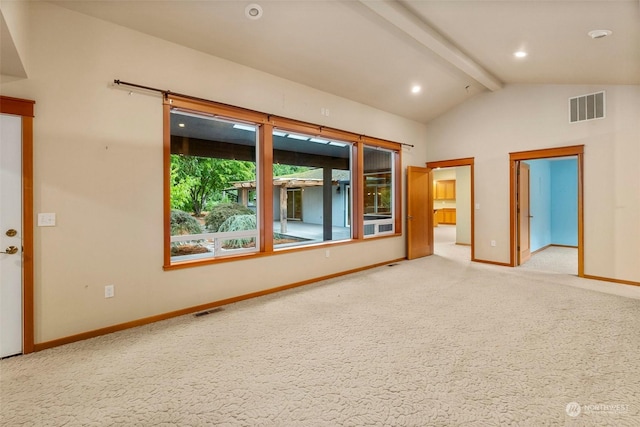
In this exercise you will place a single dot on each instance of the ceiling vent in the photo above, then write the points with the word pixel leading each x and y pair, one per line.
pixel 586 107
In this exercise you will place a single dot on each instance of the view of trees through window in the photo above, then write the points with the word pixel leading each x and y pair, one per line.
pixel 222 201
pixel 210 216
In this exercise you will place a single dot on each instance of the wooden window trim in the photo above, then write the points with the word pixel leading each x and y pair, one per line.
pixel 264 164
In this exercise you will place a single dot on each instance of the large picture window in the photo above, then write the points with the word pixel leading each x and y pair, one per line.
pixel 240 183
pixel 379 188
pixel 310 174
pixel 210 215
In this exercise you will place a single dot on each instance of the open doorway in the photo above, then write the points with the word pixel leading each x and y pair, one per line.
pixel 546 210
pixel 452 197
pixel 552 214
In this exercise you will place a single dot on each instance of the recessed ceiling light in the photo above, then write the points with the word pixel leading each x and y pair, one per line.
pixel 416 89
pixel 298 137
pixel 244 127
pixel 253 11
pixel 520 54
pixel 598 34
pixel 319 140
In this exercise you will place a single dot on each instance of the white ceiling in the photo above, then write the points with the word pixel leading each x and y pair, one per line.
pixel 374 51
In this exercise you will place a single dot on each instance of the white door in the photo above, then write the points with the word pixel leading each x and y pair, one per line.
pixel 10 235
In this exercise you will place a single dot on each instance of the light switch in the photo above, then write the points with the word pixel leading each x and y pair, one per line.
pixel 46 220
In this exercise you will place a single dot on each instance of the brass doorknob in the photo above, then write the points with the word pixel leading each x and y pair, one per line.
pixel 10 250
pixel 11 232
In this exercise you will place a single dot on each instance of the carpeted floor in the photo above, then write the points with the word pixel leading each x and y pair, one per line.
pixel 431 342
pixel 557 259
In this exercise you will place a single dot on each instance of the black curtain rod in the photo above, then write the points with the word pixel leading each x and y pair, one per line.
pixel 166 93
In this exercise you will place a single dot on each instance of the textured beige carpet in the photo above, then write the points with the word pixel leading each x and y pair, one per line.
pixel 555 259
pixel 430 342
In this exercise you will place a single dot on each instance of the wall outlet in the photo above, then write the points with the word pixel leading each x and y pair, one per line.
pixel 109 291
pixel 327 253
pixel 493 243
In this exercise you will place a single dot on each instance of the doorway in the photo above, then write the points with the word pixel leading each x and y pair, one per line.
pixel 16 227
pixel 524 217
pixel 454 207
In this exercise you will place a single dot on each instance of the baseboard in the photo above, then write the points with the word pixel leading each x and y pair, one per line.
pixel 541 249
pixel 553 244
pixel 608 279
pixel 463 244
pixel 140 322
pixel 484 261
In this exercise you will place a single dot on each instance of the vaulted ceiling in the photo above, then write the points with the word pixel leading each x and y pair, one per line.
pixel 374 51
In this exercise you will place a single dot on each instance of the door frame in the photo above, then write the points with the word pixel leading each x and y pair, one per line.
pixel 520 213
pixel 514 159
pixel 24 108
pixel 467 161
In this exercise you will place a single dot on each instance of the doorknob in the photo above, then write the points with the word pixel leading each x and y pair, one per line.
pixel 11 232
pixel 10 250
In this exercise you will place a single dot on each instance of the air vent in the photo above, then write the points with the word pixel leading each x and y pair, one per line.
pixel 586 107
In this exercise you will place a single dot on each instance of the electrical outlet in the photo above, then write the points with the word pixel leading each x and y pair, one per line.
pixel 327 253
pixel 493 243
pixel 109 291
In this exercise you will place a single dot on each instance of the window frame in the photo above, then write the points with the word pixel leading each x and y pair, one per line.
pixel 265 125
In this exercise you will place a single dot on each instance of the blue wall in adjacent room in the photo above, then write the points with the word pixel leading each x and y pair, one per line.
pixel 564 202
pixel 540 203
pixel 553 198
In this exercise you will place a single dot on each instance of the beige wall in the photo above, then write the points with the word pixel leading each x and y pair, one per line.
pixel 98 166
pixel 528 117
pixel 463 205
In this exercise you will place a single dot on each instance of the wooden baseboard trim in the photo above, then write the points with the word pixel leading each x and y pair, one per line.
pixel 484 261
pixel 463 244
pixel 608 279
pixel 541 249
pixel 553 244
pixel 195 309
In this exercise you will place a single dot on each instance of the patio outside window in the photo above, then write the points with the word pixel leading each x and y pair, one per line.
pixel 310 177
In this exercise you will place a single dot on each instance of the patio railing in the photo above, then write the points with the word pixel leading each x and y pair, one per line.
pixel 216 243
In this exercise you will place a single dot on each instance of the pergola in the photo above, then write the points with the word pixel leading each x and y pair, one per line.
pixel 283 183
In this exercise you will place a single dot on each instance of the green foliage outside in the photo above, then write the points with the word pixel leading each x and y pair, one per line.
pixel 281 170
pixel 239 223
pixel 183 223
pixel 198 182
pixel 223 211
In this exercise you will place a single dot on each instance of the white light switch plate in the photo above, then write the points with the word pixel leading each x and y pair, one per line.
pixel 46 220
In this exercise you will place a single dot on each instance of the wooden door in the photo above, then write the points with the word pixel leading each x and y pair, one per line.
pixel 419 212
pixel 524 216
